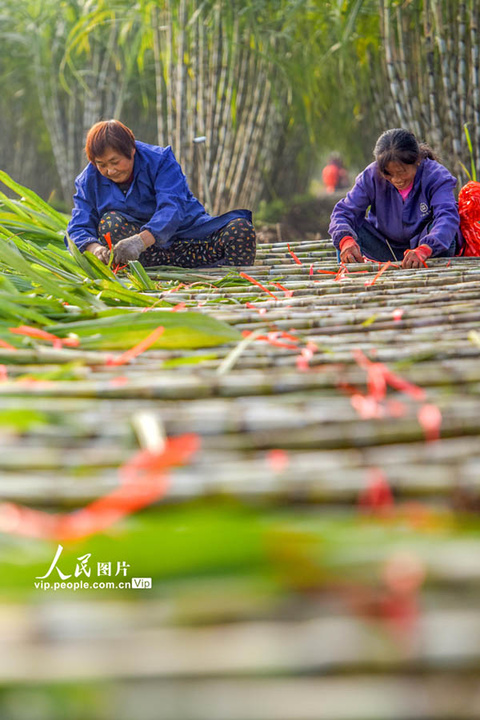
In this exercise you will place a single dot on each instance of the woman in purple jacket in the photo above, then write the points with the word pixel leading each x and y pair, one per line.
pixel 139 195
pixel 402 206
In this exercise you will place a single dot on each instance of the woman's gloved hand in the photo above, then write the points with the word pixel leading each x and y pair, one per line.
pixel 416 258
pixel 350 250
pixel 128 249
pixel 100 251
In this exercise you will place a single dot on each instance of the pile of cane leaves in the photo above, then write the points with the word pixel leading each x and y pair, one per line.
pixel 43 285
pixel 29 216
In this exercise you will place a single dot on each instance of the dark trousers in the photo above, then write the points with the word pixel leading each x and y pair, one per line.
pixel 234 244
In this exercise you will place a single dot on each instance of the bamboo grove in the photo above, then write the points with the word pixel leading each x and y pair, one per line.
pixel 272 86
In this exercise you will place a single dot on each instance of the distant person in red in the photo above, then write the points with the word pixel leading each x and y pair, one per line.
pixel 334 175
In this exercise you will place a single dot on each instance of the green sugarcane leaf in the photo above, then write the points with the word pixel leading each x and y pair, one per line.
pixel 60 255
pixel 8 286
pixel 29 219
pixel 43 220
pixel 191 360
pixel 465 170
pixel 25 229
pixel 37 255
pixel 11 256
pixel 139 273
pixel 35 201
pixel 182 330
pixel 82 260
pixel 473 175
pixel 129 297
pixel 15 206
pixel 17 312
pixel 103 271
pixel 22 420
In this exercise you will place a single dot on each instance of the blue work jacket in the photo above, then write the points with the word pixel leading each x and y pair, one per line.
pixel 428 216
pixel 158 199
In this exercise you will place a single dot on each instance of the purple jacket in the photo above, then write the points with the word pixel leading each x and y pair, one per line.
pixel 428 216
pixel 159 200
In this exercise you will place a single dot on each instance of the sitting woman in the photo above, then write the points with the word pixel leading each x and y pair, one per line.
pixel 412 213
pixel 139 194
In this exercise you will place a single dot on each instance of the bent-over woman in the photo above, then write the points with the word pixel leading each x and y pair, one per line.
pixel 139 194
pixel 402 206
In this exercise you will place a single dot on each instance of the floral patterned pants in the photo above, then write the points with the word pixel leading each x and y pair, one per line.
pixel 234 244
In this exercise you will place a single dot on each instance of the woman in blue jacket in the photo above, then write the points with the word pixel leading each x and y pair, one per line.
pixel 402 206
pixel 139 194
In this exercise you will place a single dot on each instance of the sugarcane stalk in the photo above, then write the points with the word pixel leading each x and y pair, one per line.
pixel 223 118
pixel 462 65
pixel 404 89
pixel 391 69
pixel 244 100
pixel 434 121
pixel 157 29
pixel 474 76
pixel 445 76
pixel 169 71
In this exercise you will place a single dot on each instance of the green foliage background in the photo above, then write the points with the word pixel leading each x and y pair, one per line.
pixel 274 86
pixel 66 65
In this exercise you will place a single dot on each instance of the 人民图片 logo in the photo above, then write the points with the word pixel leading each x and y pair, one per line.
pixel 84 571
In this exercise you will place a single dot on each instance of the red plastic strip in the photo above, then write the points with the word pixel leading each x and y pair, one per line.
pixel 137 349
pixel 385 266
pixel 278 460
pixel 7 345
pixel 299 262
pixel 430 418
pixel 143 481
pixel 328 272
pixel 377 498
pixel 251 306
pixel 288 293
pixel 255 282
pixel 271 338
pixel 43 335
